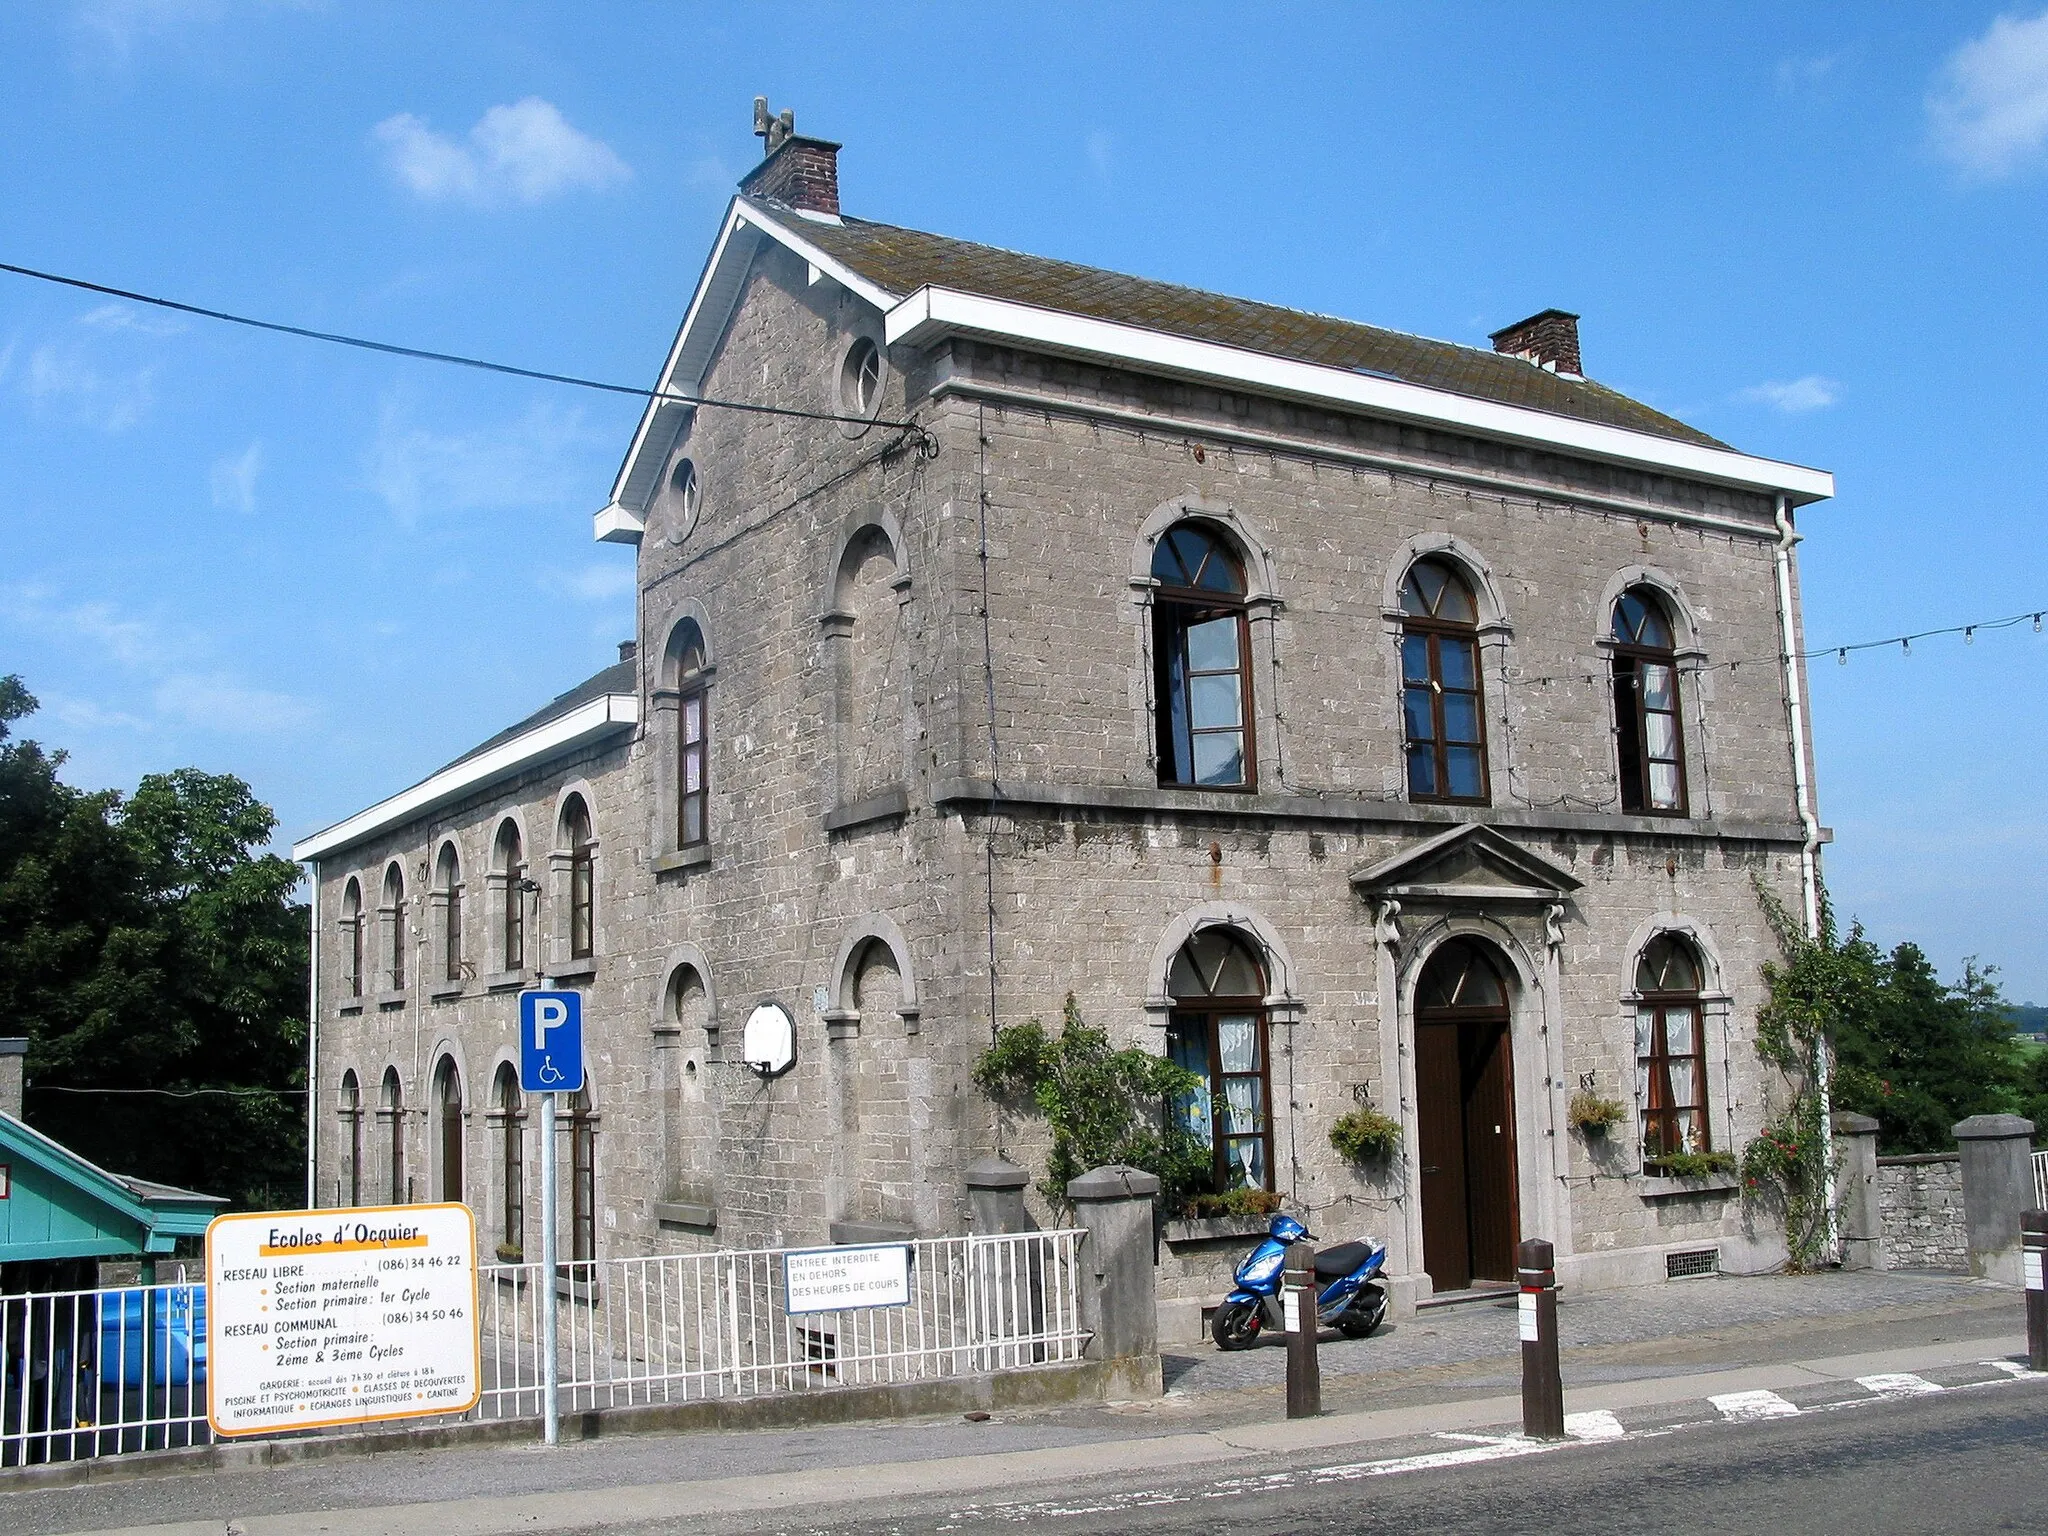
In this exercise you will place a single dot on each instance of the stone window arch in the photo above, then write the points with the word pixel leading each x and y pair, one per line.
pixel 508 1114
pixel 867 656
pixel 392 930
pixel 1649 724
pixel 510 892
pixel 349 1185
pixel 448 1129
pixel 391 1111
pixel 352 939
pixel 573 873
pixel 872 944
pixel 583 1124
pixel 683 713
pixel 1675 1006
pixel 1219 1031
pixel 1443 684
pixel 446 896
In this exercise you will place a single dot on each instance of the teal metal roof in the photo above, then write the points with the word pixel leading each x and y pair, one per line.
pixel 59 1206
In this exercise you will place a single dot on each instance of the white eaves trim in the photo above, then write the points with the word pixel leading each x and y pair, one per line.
pixel 932 312
pixel 602 716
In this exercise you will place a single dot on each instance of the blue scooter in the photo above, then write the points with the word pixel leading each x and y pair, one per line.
pixel 1351 1300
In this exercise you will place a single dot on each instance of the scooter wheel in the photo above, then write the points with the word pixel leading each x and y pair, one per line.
pixel 1236 1325
pixel 1361 1320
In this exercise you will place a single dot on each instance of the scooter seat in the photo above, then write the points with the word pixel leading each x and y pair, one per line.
pixel 1335 1263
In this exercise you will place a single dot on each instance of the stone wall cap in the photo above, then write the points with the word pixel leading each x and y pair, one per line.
pixel 995 1172
pixel 1849 1123
pixel 1119 1181
pixel 1994 1128
pixel 14 1045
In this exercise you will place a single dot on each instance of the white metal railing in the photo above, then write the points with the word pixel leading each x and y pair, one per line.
pixel 107 1372
pixel 683 1327
pixel 98 1373
pixel 2041 1181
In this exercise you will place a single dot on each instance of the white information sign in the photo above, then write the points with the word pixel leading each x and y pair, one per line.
pixel 836 1279
pixel 1529 1331
pixel 317 1318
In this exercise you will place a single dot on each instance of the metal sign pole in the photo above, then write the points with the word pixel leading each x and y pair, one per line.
pixel 551 1385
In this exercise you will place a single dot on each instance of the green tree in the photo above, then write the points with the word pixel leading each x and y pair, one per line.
pixel 1103 1106
pixel 149 944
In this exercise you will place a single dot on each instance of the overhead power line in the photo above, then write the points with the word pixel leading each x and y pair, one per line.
pixel 174 1093
pixel 484 364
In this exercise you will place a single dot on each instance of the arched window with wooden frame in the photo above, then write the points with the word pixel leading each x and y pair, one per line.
pixel 1201 652
pixel 582 1179
pixel 1218 1031
pixel 394 927
pixel 448 883
pixel 1671 1061
pixel 693 738
pixel 349 1186
pixel 1443 698
pixel 1649 734
pixel 582 848
pixel 448 1101
pixel 511 1166
pixel 397 1188
pixel 510 857
pixel 352 937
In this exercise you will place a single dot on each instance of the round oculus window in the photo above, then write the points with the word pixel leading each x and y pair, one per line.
pixel 860 380
pixel 688 492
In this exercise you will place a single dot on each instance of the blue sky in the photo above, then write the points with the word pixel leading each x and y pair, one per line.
pixel 1818 235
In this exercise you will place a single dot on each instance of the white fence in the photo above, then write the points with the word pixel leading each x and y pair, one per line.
pixel 102 1373
pixel 2041 1181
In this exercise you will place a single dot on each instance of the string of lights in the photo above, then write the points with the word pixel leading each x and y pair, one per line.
pixel 457 359
pixel 1841 653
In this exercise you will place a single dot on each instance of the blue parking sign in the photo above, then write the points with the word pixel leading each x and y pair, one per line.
pixel 550 1042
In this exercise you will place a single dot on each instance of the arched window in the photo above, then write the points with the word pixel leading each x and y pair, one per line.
pixel 512 1164
pixel 582 878
pixel 693 737
pixel 1648 738
pixel 448 1098
pixel 582 1179
pixel 349 1187
pixel 1443 704
pixel 352 937
pixel 1671 1065
pixel 394 921
pixel 449 878
pixel 1201 650
pixel 1218 1031
pixel 394 1115
pixel 511 862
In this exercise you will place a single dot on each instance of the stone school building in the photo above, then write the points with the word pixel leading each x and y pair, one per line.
pixel 1357 718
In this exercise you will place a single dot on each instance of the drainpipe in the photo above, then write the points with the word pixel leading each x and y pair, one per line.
pixel 1809 850
pixel 313 1043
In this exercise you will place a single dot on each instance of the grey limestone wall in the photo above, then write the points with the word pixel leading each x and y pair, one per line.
pixel 1920 1200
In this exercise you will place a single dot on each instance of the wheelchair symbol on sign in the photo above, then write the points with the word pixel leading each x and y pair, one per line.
pixel 550 1074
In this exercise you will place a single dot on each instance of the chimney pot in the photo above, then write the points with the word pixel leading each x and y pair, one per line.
pixel 628 649
pixel 1549 339
pixel 795 171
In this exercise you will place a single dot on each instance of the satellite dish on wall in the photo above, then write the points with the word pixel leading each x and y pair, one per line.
pixel 769 1044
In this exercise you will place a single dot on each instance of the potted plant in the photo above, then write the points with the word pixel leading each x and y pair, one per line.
pixel 1364 1135
pixel 1690 1165
pixel 1594 1115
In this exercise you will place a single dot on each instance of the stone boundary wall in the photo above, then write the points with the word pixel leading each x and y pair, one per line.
pixel 1920 1202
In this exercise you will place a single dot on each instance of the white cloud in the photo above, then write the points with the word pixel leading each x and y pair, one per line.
pixel 1988 110
pixel 132 642
pixel 58 379
pixel 1794 396
pixel 131 317
pixel 85 715
pixel 234 479
pixel 419 472
pixel 524 153
pixel 1798 77
pixel 221 704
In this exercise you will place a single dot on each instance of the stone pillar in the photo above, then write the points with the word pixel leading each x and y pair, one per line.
pixel 1998 1186
pixel 995 1195
pixel 1856 1192
pixel 1119 1300
pixel 13 1060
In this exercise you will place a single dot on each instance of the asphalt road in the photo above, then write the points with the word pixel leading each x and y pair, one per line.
pixel 1959 1463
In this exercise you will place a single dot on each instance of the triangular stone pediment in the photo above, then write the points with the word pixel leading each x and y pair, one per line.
pixel 1471 863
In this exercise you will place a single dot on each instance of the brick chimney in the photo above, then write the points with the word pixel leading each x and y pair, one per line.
pixel 798 172
pixel 1549 339
pixel 628 649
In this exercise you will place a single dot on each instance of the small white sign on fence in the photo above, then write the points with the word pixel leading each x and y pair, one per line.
pixel 837 1279
pixel 318 1318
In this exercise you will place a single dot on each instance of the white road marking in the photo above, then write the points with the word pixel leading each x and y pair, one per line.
pixel 2013 1368
pixel 1740 1407
pixel 1596 1425
pixel 1897 1384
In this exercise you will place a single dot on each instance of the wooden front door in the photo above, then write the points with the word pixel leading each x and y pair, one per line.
pixel 1465 1120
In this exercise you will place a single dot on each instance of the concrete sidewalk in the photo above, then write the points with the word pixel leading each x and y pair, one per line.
pixel 1446 1370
